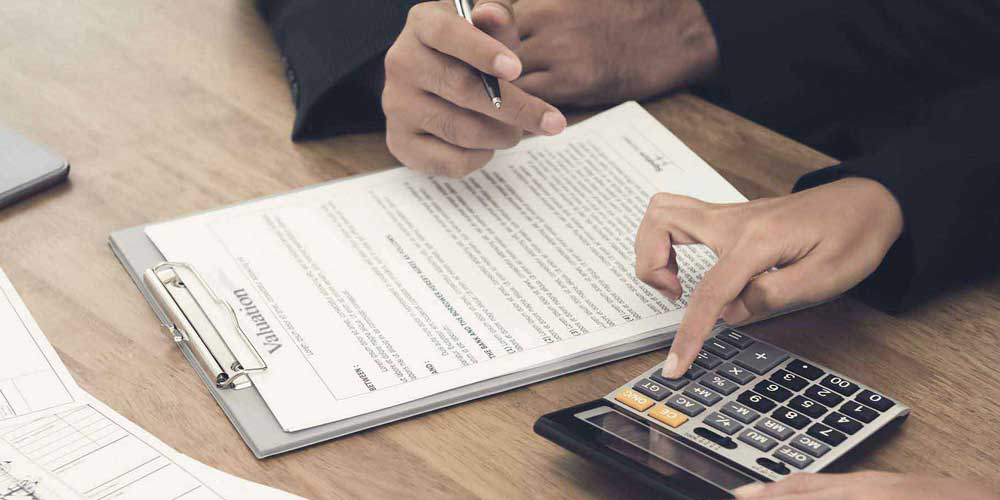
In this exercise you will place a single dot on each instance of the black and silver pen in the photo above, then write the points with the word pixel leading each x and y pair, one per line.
pixel 464 9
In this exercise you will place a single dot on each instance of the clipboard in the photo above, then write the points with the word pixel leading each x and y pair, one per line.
pixel 211 348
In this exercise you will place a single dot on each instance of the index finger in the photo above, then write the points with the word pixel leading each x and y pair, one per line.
pixel 440 27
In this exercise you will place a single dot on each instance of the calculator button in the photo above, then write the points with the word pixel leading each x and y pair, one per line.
pixel 773 466
pixel 774 428
pixel 875 400
pixel 793 457
pixel 758 440
pixel 760 358
pixel 789 380
pixel 845 387
pixel 807 406
pixel 756 401
pixel 668 416
pixel 723 423
pixel 810 445
pixel 652 389
pixel 703 395
pixel 718 383
pixel 673 383
pixel 694 372
pixel 791 417
pixel 804 369
pixel 707 360
pixel 772 390
pixel 841 423
pixel 735 373
pixel 740 412
pixel 735 338
pixel 823 395
pixel 634 400
pixel 685 405
pixel 719 348
pixel 826 434
pixel 858 411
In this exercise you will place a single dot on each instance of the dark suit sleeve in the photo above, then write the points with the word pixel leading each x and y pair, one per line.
pixel 332 51
pixel 945 172
pixel 793 64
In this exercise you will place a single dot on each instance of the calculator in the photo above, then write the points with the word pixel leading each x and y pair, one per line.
pixel 746 411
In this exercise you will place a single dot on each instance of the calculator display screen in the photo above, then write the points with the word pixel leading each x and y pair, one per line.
pixel 656 450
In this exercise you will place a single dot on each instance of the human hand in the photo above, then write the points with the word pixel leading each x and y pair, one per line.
pixel 438 117
pixel 608 51
pixel 868 485
pixel 822 241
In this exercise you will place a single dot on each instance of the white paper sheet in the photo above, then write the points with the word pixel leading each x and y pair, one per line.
pixel 58 442
pixel 386 288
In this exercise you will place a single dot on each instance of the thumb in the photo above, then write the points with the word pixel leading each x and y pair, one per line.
pixel 496 18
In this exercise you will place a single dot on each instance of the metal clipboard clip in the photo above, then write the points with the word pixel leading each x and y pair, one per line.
pixel 183 295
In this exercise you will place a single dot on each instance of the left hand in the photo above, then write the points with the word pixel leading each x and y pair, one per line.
pixel 867 485
pixel 607 51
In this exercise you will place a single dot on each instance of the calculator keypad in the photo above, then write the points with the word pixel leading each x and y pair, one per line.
pixel 748 401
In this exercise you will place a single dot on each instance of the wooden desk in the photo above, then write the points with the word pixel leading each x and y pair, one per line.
pixel 167 107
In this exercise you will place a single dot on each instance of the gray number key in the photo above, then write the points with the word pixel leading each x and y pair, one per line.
pixel 714 381
pixel 760 357
pixel 702 395
pixel 758 440
pixel 793 457
pixel 723 423
pixel 740 412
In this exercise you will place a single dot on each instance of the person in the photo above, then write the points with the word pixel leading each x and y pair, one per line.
pixel 904 91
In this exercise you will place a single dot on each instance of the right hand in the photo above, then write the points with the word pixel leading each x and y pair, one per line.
pixel 438 117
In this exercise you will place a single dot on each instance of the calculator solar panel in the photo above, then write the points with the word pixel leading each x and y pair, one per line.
pixel 759 407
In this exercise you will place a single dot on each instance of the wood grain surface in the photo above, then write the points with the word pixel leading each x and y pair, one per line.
pixel 167 107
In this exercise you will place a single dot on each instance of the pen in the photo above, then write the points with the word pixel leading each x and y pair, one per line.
pixel 489 81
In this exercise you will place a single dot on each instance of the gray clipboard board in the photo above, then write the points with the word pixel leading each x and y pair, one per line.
pixel 260 430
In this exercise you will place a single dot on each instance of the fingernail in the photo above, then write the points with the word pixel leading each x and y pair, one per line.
pixel 506 67
pixel 750 490
pixel 669 366
pixel 553 122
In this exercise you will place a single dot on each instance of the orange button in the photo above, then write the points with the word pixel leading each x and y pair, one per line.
pixel 634 399
pixel 667 415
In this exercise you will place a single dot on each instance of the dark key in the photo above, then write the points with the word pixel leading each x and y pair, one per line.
pixel 858 411
pixel 845 387
pixel 717 382
pixel 756 401
pixel 740 412
pixel 793 457
pixel 652 389
pixel 823 395
pixel 735 338
pixel 707 360
pixel 685 405
pixel 810 445
pixel 723 423
pixel 789 380
pixel 694 372
pixel 791 417
pixel 735 373
pixel 842 423
pixel 805 369
pixel 719 348
pixel 772 390
pixel 703 395
pixel 875 400
pixel 826 434
pixel 760 357
pixel 774 428
pixel 807 406
pixel 673 383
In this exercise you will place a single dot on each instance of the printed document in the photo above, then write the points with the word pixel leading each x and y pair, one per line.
pixel 58 442
pixel 385 288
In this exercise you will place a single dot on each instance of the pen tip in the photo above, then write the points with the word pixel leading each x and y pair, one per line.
pixel 497 102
